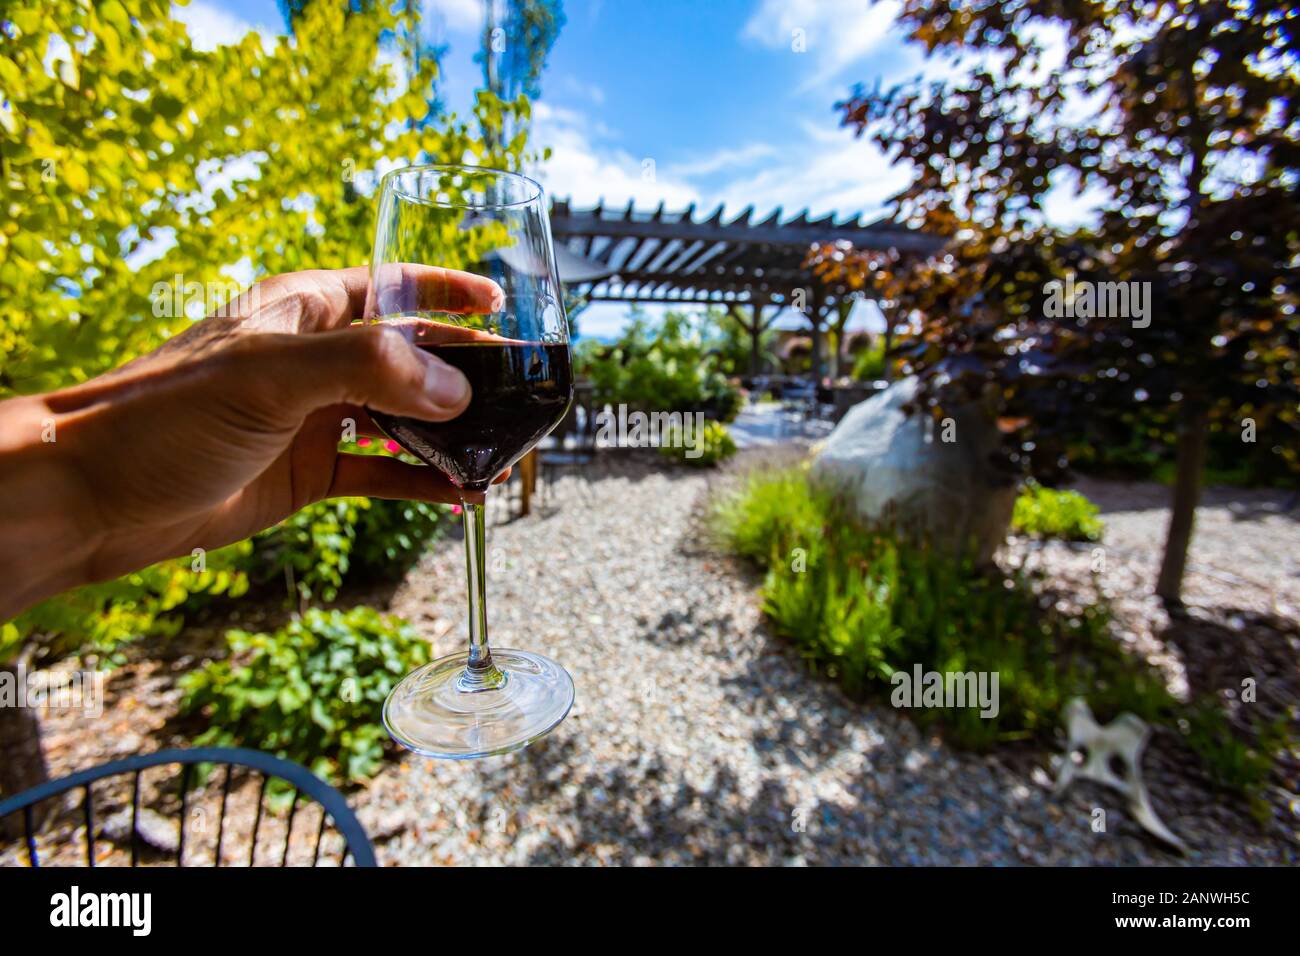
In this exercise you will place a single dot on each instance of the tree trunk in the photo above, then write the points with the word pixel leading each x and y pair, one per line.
pixel 815 360
pixel 843 309
pixel 1192 441
pixel 889 345
pixel 22 761
pixel 755 339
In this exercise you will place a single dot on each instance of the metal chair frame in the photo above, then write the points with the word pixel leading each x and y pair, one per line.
pixel 559 456
pixel 304 782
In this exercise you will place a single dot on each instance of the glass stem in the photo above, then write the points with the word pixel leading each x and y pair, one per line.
pixel 480 673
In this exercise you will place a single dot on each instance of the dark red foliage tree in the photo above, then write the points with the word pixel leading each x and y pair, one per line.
pixel 1182 117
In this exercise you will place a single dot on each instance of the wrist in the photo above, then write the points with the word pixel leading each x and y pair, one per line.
pixel 47 525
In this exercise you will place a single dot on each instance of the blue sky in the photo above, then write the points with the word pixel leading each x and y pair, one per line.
pixel 705 101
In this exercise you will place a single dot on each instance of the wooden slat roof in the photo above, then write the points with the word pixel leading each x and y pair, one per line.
pixel 661 256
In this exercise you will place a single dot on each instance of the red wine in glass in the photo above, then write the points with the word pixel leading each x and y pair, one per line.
pixel 521 390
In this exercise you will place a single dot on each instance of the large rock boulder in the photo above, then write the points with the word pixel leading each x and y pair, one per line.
pixel 927 478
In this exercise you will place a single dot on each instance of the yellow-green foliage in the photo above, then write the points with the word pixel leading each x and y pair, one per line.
pixel 712 445
pixel 103 159
pixel 99 617
pixel 1047 513
pixel 109 149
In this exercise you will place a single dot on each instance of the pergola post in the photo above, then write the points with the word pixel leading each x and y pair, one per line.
pixel 756 328
pixel 816 316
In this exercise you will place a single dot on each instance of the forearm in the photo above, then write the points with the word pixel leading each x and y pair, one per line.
pixel 46 539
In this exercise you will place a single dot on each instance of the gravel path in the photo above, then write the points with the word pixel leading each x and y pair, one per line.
pixel 699 738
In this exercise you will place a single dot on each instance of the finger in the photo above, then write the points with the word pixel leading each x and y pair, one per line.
pixel 347 419
pixel 405 287
pixel 321 299
pixel 369 365
pixel 375 476
pixel 309 301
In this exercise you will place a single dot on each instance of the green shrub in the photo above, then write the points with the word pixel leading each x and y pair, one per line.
pixel 391 535
pixel 311 691
pixel 100 618
pixel 722 401
pixel 666 368
pixel 862 604
pixel 331 542
pixel 1048 513
pixel 770 514
pixel 713 444
pixel 869 363
pixel 311 551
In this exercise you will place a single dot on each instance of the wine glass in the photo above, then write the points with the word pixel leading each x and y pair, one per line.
pixel 510 338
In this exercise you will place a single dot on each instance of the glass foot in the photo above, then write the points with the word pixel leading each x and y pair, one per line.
pixel 432 712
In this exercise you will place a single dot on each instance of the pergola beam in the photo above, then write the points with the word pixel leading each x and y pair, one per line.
pixel 673 259
pixel 579 224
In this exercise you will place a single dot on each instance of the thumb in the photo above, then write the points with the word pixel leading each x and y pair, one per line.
pixel 371 365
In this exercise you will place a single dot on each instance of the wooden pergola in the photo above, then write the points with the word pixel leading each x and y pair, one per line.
pixel 623 255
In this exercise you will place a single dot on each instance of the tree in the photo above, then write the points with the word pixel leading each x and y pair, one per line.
pixel 516 41
pixel 674 365
pixel 1183 116
pixel 137 171
pixel 745 336
pixel 885 275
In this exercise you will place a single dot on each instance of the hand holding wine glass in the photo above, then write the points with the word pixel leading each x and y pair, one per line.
pixel 225 430
pixel 516 356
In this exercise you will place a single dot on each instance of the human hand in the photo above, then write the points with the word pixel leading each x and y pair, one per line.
pixel 223 431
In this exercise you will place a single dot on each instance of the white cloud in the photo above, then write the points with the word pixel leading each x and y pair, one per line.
pixel 824 169
pixel 724 158
pixel 210 27
pixel 586 168
pixel 831 33
pixel 461 16
pixel 817 166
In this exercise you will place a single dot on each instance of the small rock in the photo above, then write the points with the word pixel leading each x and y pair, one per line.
pixel 154 829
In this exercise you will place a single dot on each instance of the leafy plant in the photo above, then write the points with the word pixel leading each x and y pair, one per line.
pixel 769 514
pixel 1049 513
pixel 869 364
pixel 863 604
pixel 391 536
pixel 346 539
pixel 310 691
pixel 670 367
pixel 311 551
pixel 713 444
pixel 1181 120
pixel 100 618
